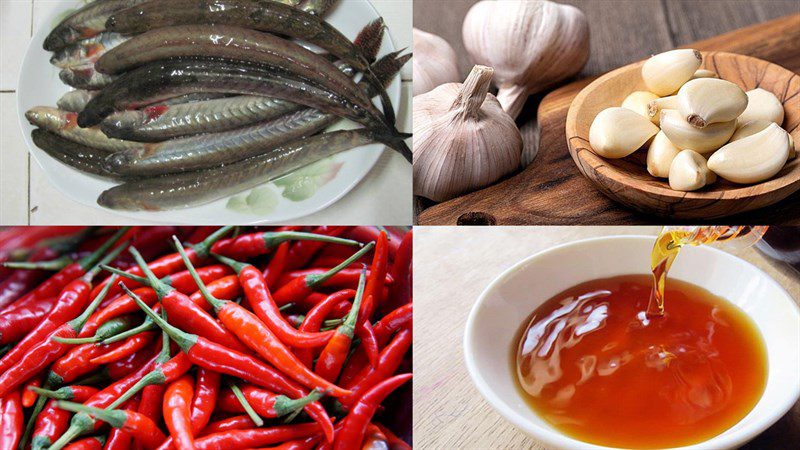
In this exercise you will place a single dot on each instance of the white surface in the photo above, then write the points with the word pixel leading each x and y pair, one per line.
pixel 383 196
pixel 528 284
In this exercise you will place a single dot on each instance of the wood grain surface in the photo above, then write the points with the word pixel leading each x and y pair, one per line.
pixel 451 268
pixel 622 32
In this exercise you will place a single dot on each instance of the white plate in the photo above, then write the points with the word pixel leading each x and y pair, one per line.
pixel 39 85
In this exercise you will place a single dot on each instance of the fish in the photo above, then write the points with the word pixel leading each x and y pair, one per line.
pixel 87 51
pixel 81 157
pixel 64 124
pixel 196 188
pixel 85 77
pixel 86 22
pixel 152 82
pixel 317 7
pixel 261 15
pixel 75 101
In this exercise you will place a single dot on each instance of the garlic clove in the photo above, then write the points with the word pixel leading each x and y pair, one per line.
pixel 654 107
pixel 660 155
pixel 702 140
pixel 749 129
pixel 618 132
pixel 710 100
pixel 531 44
pixel 435 62
pixel 764 105
pixel 666 72
pixel 754 158
pixel 688 171
pixel 638 101
pixel 703 73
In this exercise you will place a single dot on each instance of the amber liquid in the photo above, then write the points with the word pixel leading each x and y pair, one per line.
pixel 593 364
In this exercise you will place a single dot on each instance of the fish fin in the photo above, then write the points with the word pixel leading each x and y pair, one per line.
pixel 370 38
pixel 388 65
pixel 386 103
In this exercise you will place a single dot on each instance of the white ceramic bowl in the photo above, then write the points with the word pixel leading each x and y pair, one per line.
pixel 39 85
pixel 508 300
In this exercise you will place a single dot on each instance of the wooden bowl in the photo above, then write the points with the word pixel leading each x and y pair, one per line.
pixel 627 180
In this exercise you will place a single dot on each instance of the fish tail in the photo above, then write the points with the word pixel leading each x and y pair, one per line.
pixel 393 139
pixel 370 38
pixel 386 103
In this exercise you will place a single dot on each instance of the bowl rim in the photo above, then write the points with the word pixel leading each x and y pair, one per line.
pixel 584 156
pixel 550 436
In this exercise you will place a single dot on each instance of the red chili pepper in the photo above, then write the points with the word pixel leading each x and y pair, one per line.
pixel 249 438
pixel 355 424
pixel 213 356
pixel 260 243
pixel 297 444
pixel 316 316
pixel 373 291
pixel 128 347
pixel 119 439
pixel 366 234
pixel 265 403
pixel 200 233
pixel 151 404
pixel 400 291
pixel 205 398
pixel 375 439
pixel 106 331
pixel 12 420
pixel 52 421
pixel 144 430
pixel 28 396
pixel 345 279
pixel 276 265
pixel 90 443
pixel 395 443
pixel 265 308
pixel 390 359
pixel 302 252
pixel 121 305
pixel 17 283
pixel 74 363
pixel 177 411
pixel 22 316
pixel 231 423
pixel 118 370
pixel 330 361
pixel 21 237
pixel 225 288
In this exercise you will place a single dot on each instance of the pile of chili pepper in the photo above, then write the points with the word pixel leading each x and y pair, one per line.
pixel 205 338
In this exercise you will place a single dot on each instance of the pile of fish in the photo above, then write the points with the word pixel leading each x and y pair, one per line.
pixel 189 101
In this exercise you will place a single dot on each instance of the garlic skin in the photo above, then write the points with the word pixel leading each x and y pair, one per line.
pixel 666 72
pixel 754 158
pixel 762 104
pixel 702 140
pixel 532 44
pixel 688 171
pixel 660 155
pixel 463 140
pixel 638 101
pixel 655 106
pixel 750 128
pixel 435 62
pixel 703 73
pixel 710 100
pixel 618 132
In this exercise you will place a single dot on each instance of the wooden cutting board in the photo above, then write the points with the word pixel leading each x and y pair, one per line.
pixel 551 191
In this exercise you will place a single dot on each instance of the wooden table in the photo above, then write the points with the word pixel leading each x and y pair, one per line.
pixel 451 268
pixel 622 31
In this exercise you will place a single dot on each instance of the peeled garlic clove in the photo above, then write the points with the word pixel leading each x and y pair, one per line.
pixel 762 104
pixel 703 73
pixel 660 155
pixel 749 129
pixel 752 159
pixel 688 171
pixel 637 102
pixel 655 106
pixel 618 132
pixel 701 140
pixel 666 72
pixel 710 100
pixel 435 62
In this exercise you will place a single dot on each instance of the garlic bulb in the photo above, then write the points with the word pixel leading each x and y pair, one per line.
pixel 638 101
pixel 655 106
pixel 710 100
pixel 463 140
pixel 752 159
pixel 701 140
pixel 660 155
pixel 762 104
pixel 435 62
pixel 618 132
pixel 532 44
pixel 666 72
pixel 688 171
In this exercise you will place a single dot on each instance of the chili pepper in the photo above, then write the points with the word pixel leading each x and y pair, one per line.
pixel 205 398
pixel 177 411
pixel 121 305
pixel 73 364
pixel 315 317
pixel 119 439
pixel 19 282
pixel 120 369
pixel 368 340
pixel 216 357
pixel 200 233
pixel 390 359
pixel 172 263
pixel 355 424
pixel 265 403
pixel 375 439
pixel 90 443
pixel 395 443
pixel 52 421
pixel 302 252
pixel 181 281
pixel 22 316
pixel 21 237
pixel 151 403
pixel 131 345
pixel 297 444
pixel 400 291
pixel 260 243
pixel 330 361
pixel 250 330
pixel 225 288
pixel 28 396
pixel 231 423
pixel 242 402
pixel 373 291
pixel 366 234
pixel 140 427
pixel 347 278
pixel 276 265
pixel 109 329
pixel 249 438
pixel 150 241
pixel 12 420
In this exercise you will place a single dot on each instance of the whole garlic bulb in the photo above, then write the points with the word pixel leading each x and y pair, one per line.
pixel 532 44
pixel 463 140
pixel 435 62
